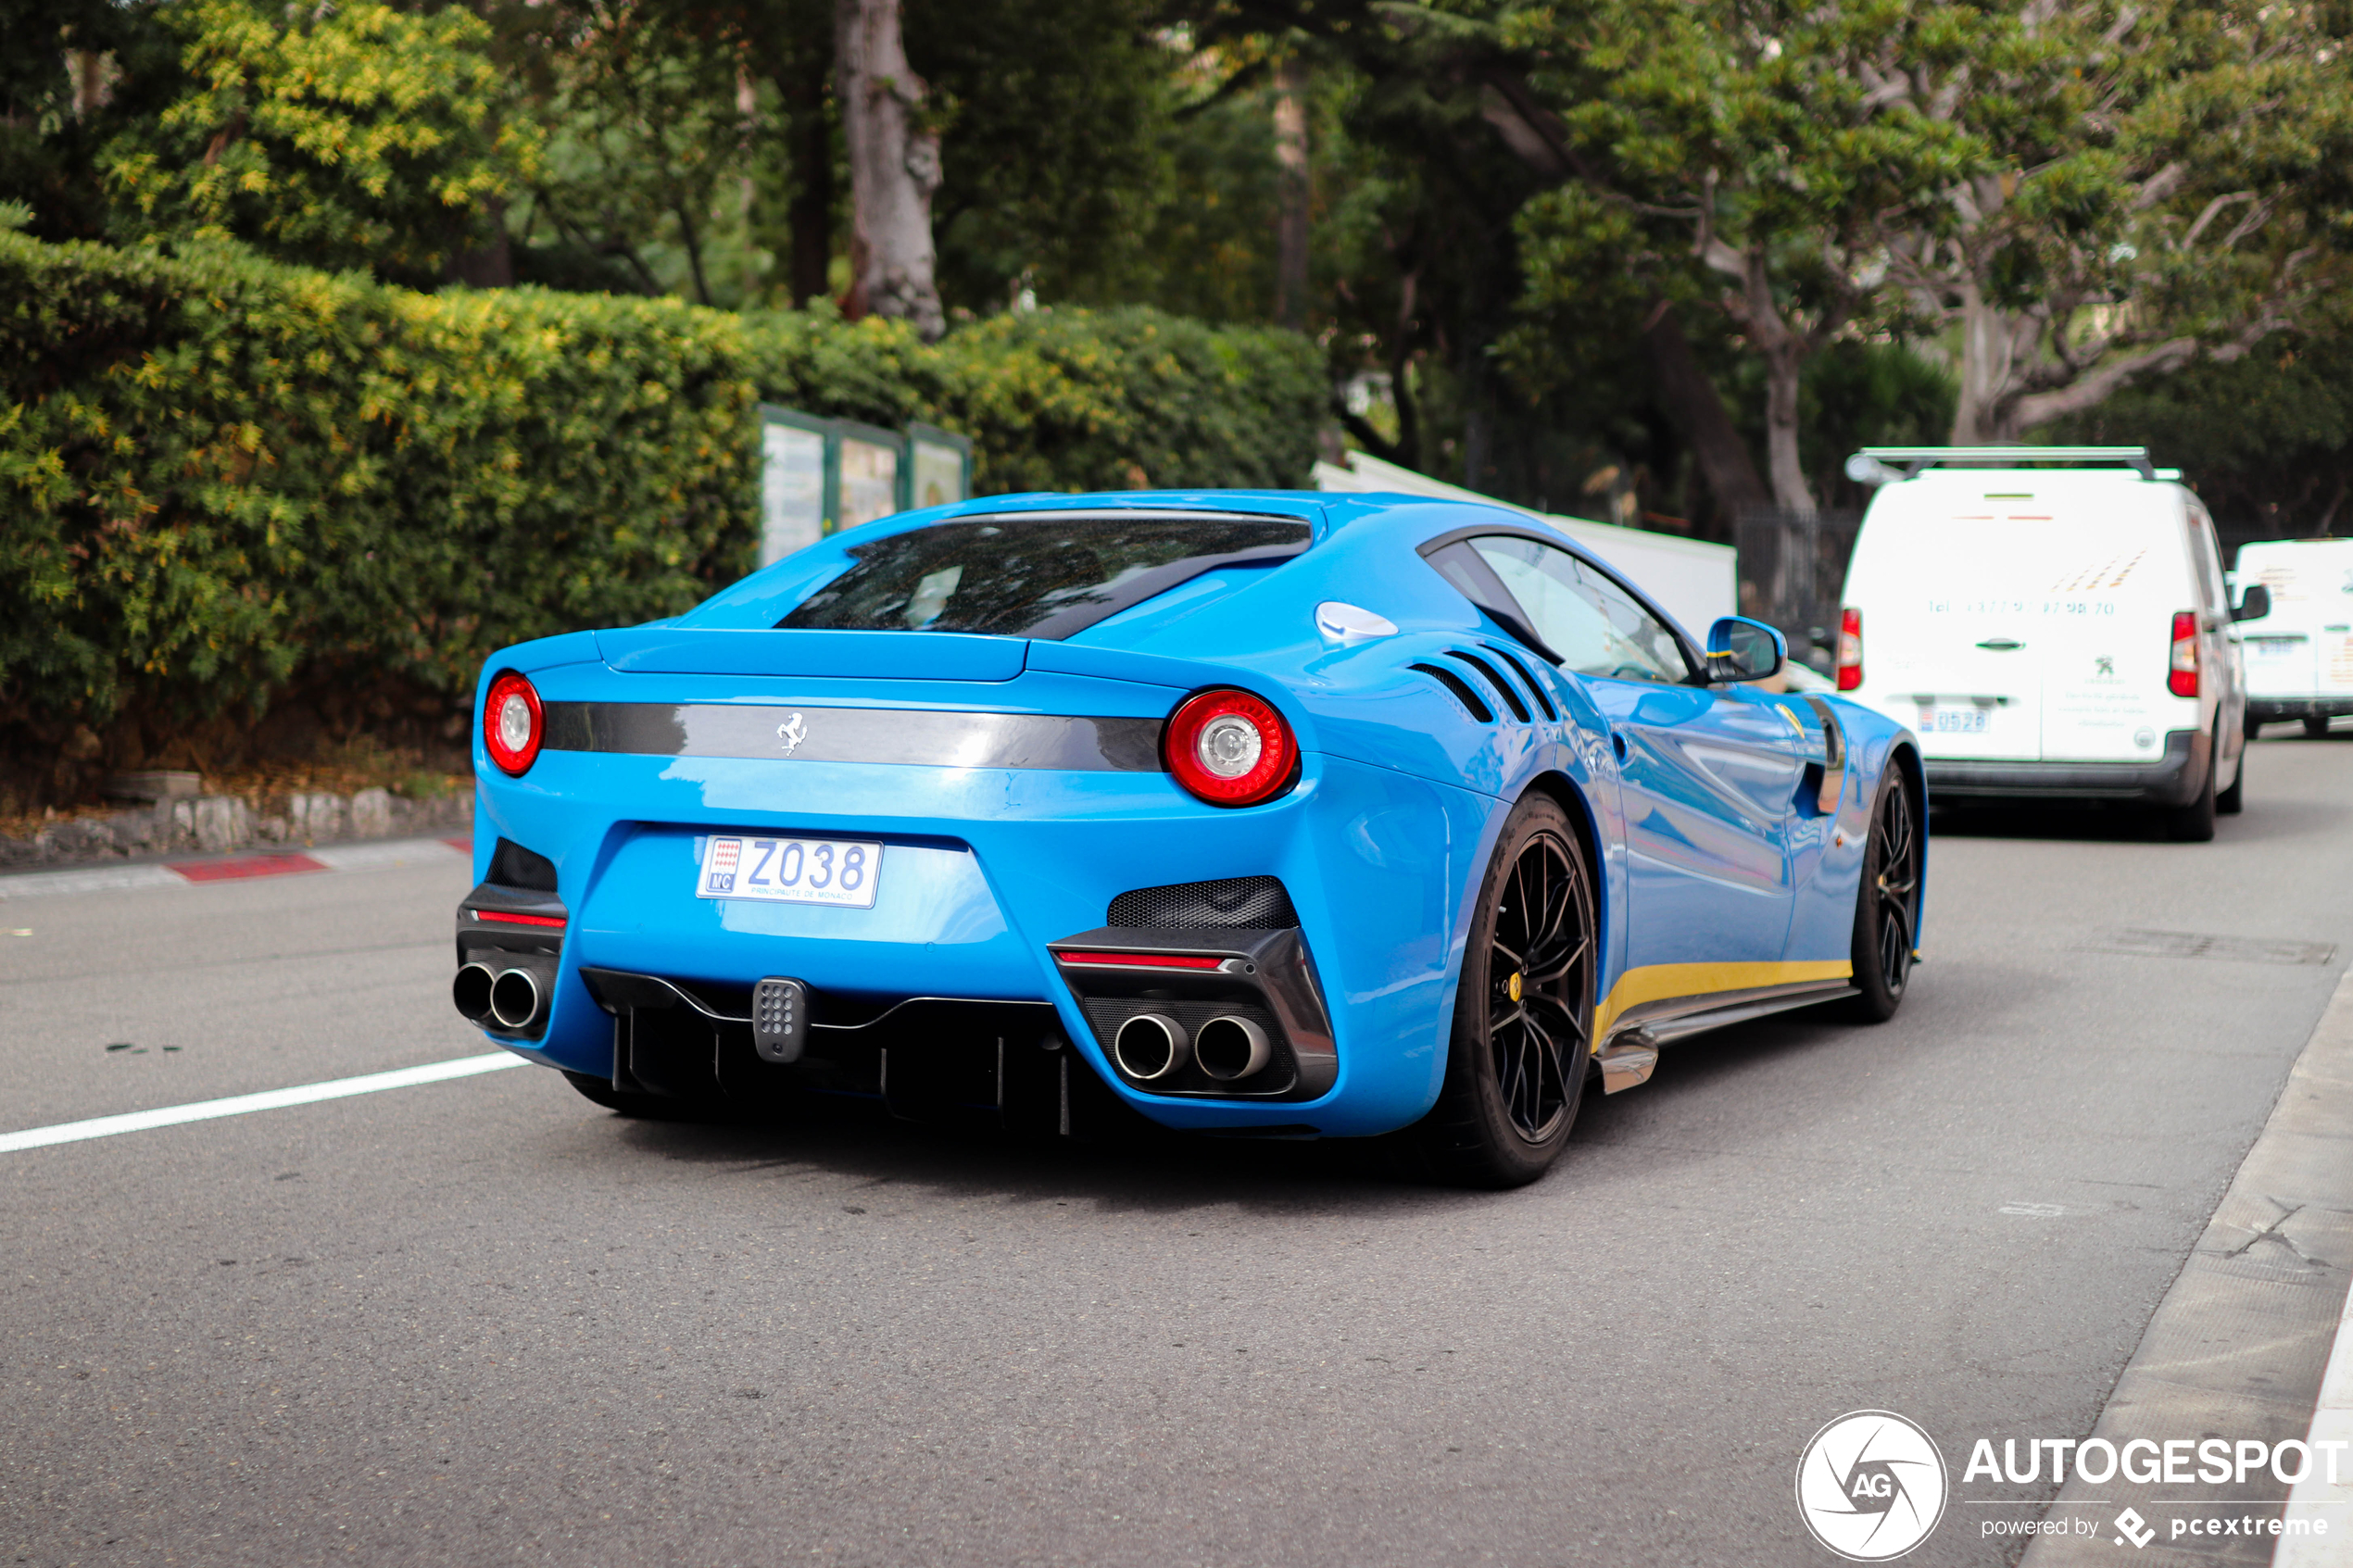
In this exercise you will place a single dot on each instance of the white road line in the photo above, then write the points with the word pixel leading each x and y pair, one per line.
pixel 34 883
pixel 269 1100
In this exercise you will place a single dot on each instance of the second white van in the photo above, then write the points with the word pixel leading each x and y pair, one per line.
pixel 2299 657
pixel 2052 624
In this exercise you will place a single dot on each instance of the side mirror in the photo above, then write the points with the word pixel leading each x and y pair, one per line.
pixel 2256 605
pixel 1741 649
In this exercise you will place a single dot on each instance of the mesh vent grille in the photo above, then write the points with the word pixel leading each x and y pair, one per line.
pixel 1239 903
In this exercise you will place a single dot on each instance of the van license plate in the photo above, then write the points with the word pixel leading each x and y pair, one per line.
pixel 791 871
pixel 1955 720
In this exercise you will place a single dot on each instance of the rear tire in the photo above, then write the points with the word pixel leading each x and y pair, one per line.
pixel 1887 904
pixel 1523 1035
pixel 2194 823
pixel 2231 801
pixel 2316 727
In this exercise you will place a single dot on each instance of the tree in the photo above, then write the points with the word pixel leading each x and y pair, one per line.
pixel 1742 135
pixel 1057 123
pixel 2163 181
pixel 894 168
pixel 1464 143
pixel 645 128
pixel 359 136
pixel 74 74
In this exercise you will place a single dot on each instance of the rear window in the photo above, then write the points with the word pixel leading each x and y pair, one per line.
pixel 1042 575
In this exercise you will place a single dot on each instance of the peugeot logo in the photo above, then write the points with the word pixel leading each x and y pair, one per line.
pixel 792 732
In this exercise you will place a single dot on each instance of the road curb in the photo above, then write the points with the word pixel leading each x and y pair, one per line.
pixel 2238 1347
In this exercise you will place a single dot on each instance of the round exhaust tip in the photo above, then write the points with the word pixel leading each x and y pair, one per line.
pixel 514 998
pixel 1150 1046
pixel 1228 1048
pixel 470 991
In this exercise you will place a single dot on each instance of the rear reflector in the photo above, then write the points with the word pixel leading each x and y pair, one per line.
pixel 1145 960
pixel 501 917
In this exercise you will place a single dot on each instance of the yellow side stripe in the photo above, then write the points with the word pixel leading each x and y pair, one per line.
pixel 1672 982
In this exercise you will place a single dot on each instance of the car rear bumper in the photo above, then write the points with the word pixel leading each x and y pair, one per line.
pixel 987 872
pixel 2173 779
pixel 2271 710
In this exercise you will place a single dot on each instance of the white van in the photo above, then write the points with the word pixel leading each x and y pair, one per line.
pixel 2051 623
pixel 2299 657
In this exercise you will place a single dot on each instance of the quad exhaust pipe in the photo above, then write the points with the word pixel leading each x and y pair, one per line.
pixel 1229 1048
pixel 1151 1045
pixel 513 999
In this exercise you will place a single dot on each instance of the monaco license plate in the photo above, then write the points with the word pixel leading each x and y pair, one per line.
pixel 791 871
pixel 1955 720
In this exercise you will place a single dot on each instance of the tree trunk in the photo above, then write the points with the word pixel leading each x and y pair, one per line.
pixel 893 167
pixel 1292 193
pixel 1985 370
pixel 811 214
pixel 1791 492
pixel 1698 410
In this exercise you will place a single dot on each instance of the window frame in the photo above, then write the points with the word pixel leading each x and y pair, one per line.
pixel 1513 619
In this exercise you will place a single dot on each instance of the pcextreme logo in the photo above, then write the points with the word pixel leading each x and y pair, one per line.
pixel 1870 1485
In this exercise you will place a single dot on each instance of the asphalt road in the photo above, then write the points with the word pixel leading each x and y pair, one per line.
pixel 485 1321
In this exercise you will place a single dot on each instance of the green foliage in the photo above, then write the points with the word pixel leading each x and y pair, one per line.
pixel 1055 150
pixel 2267 440
pixel 364 137
pixel 227 479
pixel 645 127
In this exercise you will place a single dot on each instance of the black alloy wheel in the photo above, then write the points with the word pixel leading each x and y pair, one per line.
pixel 1887 906
pixel 1523 1035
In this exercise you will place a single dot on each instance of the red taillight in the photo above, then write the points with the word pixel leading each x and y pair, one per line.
pixel 511 723
pixel 504 917
pixel 1232 749
pixel 2180 670
pixel 1142 960
pixel 1850 649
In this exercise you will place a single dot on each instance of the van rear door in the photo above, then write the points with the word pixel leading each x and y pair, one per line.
pixel 1951 625
pixel 2115 570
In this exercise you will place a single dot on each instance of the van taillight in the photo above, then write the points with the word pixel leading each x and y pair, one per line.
pixel 2180 670
pixel 1850 649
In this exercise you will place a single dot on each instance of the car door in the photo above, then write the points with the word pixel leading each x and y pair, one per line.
pixel 1708 776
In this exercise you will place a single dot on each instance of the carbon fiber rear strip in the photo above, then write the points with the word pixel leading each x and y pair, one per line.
pixel 934 737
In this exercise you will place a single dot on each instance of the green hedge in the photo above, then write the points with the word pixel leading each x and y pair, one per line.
pixel 228 480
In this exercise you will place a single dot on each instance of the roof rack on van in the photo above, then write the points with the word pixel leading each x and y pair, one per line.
pixel 1912 460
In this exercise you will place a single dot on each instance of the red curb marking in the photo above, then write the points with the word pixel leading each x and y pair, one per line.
pixel 465 844
pixel 245 866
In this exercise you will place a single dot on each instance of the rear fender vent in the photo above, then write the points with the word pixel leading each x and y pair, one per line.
pixel 1503 687
pixel 1235 903
pixel 1535 688
pixel 1460 688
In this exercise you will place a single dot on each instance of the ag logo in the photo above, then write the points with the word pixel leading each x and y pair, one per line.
pixel 792 732
pixel 1870 1485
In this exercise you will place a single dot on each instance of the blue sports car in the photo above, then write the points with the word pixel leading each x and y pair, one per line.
pixel 1268 814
